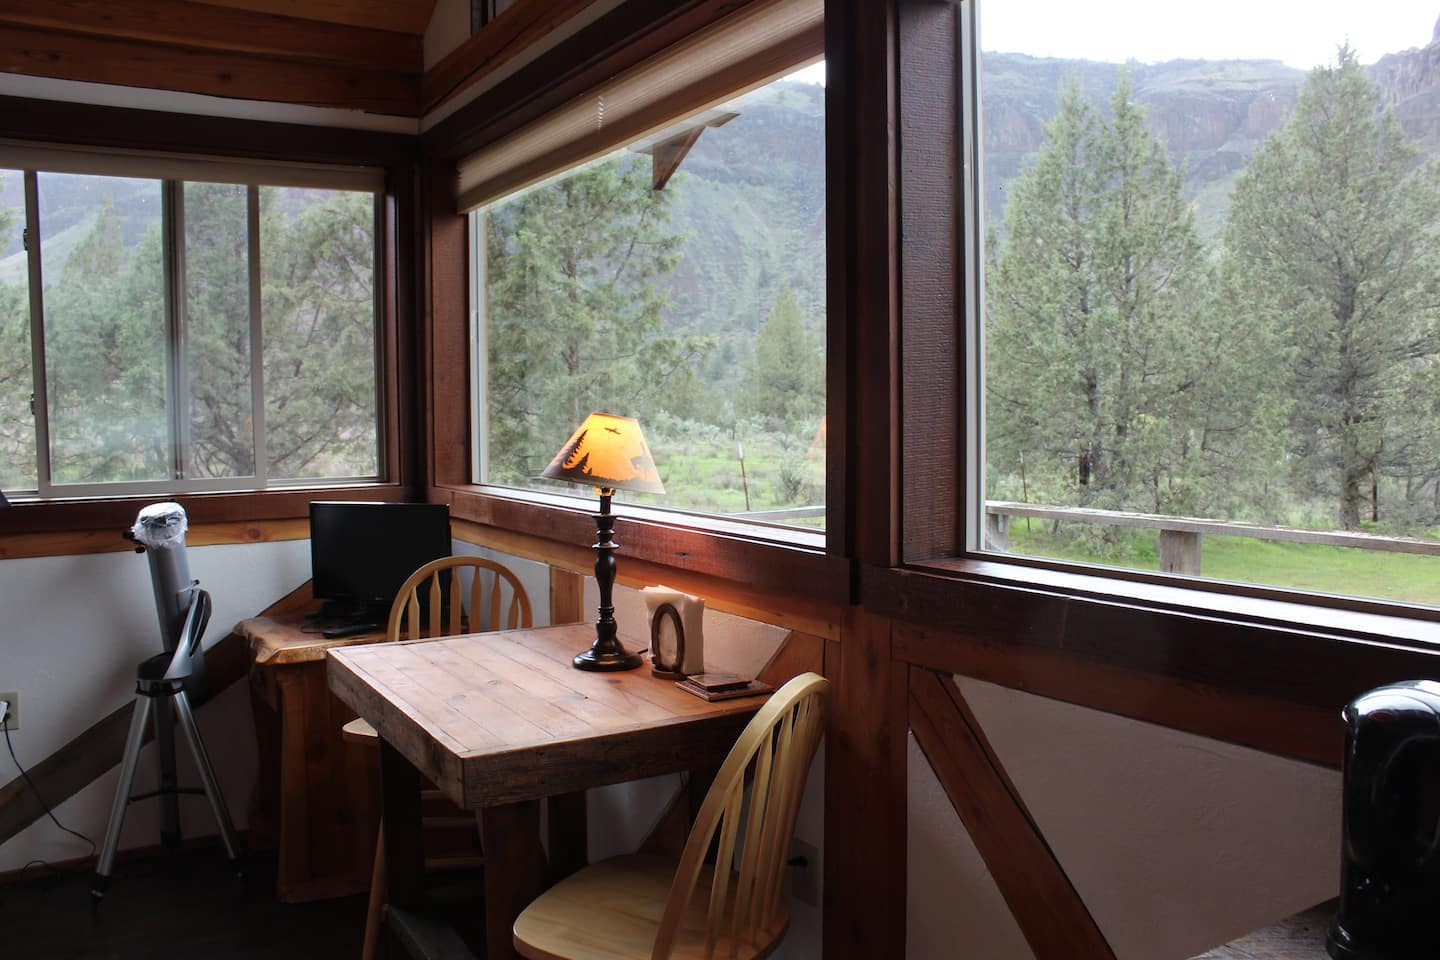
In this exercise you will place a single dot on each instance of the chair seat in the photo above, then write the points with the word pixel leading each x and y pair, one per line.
pixel 360 731
pixel 612 910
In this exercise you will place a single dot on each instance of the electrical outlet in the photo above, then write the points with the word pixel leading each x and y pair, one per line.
pixel 805 878
pixel 12 715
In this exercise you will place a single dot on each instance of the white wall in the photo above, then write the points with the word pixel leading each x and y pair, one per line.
pixel 74 629
pixel 1176 843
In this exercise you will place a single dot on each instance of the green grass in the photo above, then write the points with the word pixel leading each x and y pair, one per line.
pixel 1319 568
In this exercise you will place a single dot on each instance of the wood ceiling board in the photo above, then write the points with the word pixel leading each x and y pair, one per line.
pixel 136 64
pixel 496 43
pixel 181 23
pixel 401 16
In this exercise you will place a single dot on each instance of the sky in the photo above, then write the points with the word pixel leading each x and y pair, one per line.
pixel 1300 34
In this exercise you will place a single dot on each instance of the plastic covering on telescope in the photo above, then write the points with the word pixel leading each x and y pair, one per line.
pixel 161 525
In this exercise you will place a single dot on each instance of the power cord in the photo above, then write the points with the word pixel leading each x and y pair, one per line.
pixel 5 725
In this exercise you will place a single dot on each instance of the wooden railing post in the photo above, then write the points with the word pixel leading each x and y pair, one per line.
pixel 997 531
pixel 1179 552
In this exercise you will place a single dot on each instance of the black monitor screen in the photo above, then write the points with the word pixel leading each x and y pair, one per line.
pixel 361 553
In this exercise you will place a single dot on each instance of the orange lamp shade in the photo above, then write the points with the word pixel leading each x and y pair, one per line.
pixel 607 451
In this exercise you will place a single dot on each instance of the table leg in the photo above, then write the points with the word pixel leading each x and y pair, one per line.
pixel 514 869
pixel 569 844
pixel 400 801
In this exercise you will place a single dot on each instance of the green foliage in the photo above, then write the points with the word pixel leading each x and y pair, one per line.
pixel 1332 237
pixel 786 381
pixel 574 313
pixel 1096 319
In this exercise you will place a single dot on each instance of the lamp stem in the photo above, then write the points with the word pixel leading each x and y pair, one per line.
pixel 605 652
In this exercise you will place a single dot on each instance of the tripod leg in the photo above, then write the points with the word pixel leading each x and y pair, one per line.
pixel 207 776
pixel 169 781
pixel 133 743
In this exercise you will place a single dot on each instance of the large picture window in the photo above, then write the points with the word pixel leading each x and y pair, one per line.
pixel 677 276
pixel 1210 315
pixel 178 334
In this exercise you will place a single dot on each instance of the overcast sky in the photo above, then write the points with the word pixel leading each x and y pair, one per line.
pixel 1299 34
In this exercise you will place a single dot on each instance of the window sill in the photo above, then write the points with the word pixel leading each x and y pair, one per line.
pixel 118 512
pixel 769 556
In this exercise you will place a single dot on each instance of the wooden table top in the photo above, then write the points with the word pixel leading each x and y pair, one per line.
pixel 497 718
pixel 276 642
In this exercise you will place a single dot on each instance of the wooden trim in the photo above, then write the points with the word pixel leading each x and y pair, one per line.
pixel 448 393
pixel 750 593
pixel 54 121
pixel 80 542
pixel 931 277
pixel 411 17
pixel 499 42
pixel 109 516
pixel 866 772
pixel 625 36
pixel 567 592
pixel 1272 687
pixel 180 23
pixel 1042 899
pixel 133 63
pixel 78 763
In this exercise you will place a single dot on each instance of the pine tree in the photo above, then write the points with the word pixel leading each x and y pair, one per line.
pixel 573 315
pixel 1332 231
pixel 1095 310
pixel 786 382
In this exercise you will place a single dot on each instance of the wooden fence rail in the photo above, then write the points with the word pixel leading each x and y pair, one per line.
pixel 1180 536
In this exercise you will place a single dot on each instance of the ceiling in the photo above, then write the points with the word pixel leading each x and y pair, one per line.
pixel 355 54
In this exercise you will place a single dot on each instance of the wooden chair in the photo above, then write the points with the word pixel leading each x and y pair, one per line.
pixel 638 907
pixel 485 594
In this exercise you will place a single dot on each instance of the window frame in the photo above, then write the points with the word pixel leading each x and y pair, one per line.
pixel 143 133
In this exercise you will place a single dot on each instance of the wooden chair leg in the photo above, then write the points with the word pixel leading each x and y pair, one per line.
pixel 377 898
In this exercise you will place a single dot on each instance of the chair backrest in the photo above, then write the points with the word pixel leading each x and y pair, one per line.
pixel 486 594
pixel 776 750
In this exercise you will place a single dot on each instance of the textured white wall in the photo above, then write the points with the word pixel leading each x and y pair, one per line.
pixel 74 629
pixel 1176 843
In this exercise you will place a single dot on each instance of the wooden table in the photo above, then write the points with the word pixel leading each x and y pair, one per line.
pixel 500 720
pixel 317 795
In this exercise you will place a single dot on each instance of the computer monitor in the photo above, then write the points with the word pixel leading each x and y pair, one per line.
pixel 361 553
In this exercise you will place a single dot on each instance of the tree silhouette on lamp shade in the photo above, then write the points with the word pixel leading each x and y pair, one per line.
pixel 609 453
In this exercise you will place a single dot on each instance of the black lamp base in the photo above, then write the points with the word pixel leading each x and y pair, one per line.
pixel 606 660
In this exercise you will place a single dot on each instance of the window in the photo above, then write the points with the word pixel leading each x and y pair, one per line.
pixel 1208 315
pixel 677 276
pixel 181 333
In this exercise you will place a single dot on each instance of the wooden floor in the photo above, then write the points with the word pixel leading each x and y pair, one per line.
pixel 1301 937
pixel 174 907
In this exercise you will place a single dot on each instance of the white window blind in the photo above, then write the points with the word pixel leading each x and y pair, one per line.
pixel 759 43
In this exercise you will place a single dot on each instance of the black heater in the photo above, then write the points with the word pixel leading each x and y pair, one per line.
pixel 1390 857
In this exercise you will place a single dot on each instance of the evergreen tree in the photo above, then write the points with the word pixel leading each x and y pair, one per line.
pixel 1332 231
pixel 17 426
pixel 573 314
pixel 787 379
pixel 1096 306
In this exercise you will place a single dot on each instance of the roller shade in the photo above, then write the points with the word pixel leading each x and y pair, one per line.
pixel 162 166
pixel 759 43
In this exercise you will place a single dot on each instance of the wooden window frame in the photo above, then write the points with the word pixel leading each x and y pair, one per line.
pixel 752 556
pixel 1264 667
pixel 88 126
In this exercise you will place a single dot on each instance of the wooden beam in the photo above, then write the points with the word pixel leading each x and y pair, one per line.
pixel 402 16
pixel 567 592
pixel 865 787
pixel 494 45
pixel 666 156
pixel 1045 904
pixel 78 763
pixel 79 542
pixel 1271 724
pixel 183 24
pixel 134 63
pixel 797 653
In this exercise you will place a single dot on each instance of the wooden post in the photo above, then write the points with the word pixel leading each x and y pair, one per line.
pixel 997 531
pixel 1179 552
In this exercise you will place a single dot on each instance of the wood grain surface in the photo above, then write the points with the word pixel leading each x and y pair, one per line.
pixel 501 718
pixel 1301 937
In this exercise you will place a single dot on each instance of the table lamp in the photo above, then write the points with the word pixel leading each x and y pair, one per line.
pixel 609 453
